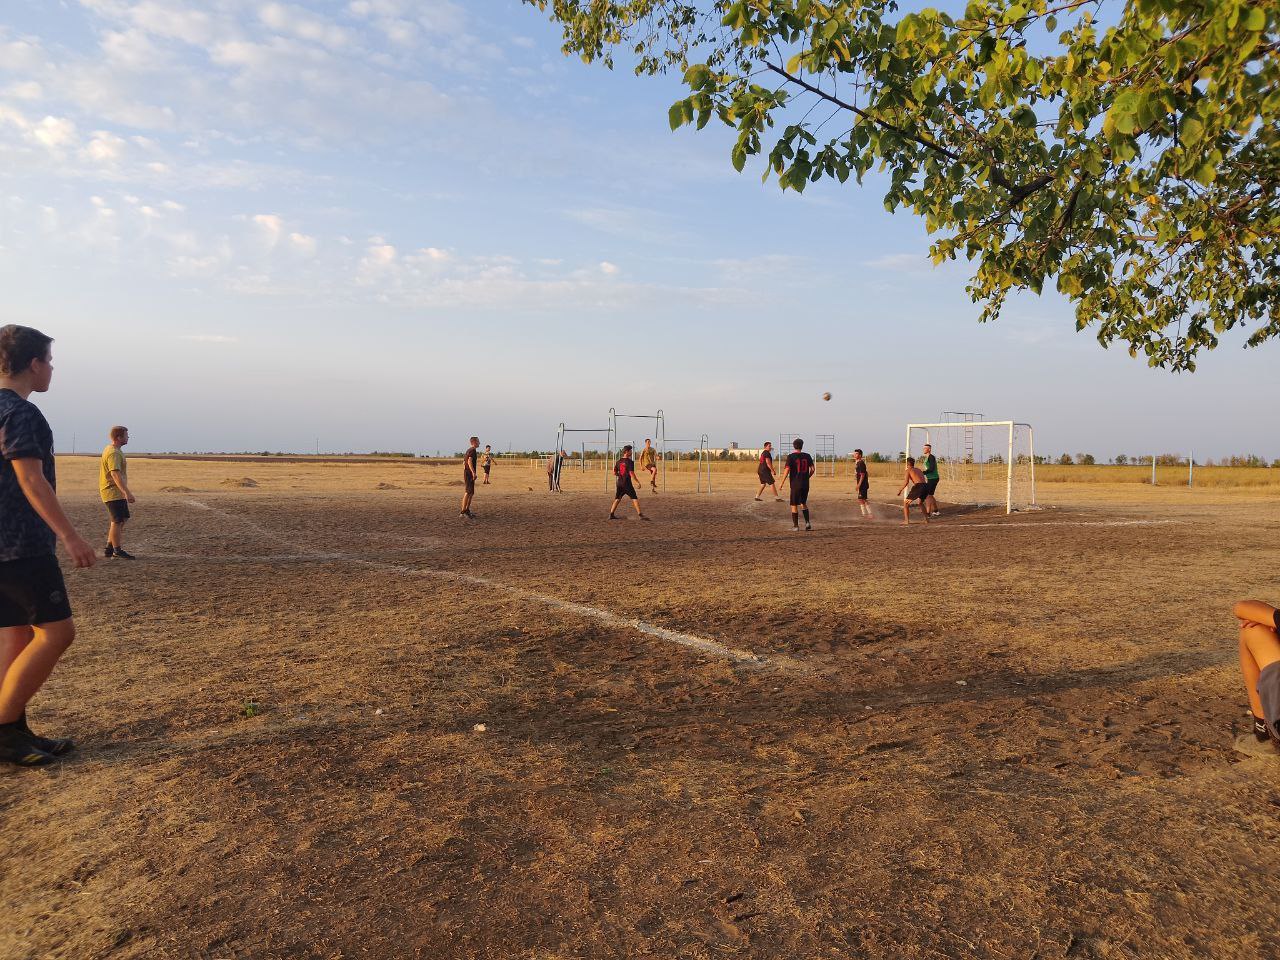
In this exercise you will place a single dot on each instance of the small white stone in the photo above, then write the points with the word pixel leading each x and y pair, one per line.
pixel 378 712
pixel 479 728
pixel 962 683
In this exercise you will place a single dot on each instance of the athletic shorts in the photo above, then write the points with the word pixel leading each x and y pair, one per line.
pixel 862 490
pixel 32 592
pixel 931 486
pixel 486 468
pixel 917 492
pixel 469 481
pixel 625 489
pixel 765 475
pixel 799 493
pixel 119 510
pixel 1269 694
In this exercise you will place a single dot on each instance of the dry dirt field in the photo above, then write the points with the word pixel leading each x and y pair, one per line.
pixel 702 737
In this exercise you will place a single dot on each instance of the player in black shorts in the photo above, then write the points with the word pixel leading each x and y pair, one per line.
pixel 917 489
pixel 469 476
pixel 765 472
pixel 486 463
pixel 798 468
pixel 1260 666
pixel 36 627
pixel 625 471
pixel 862 482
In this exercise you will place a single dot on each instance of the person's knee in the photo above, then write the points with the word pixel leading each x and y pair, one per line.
pixel 59 635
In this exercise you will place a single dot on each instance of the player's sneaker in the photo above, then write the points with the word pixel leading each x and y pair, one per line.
pixel 122 555
pixel 57 746
pixel 109 552
pixel 1260 731
pixel 18 747
pixel 808 526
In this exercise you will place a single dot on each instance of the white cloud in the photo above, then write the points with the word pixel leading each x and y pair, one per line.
pixel 302 244
pixel 607 268
pixel 208 338
pixel 54 133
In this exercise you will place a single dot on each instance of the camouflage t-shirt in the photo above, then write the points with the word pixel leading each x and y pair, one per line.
pixel 24 434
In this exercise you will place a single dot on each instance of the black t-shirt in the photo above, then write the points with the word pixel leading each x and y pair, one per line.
pixel 766 458
pixel 799 465
pixel 24 434
pixel 471 456
pixel 624 469
pixel 860 472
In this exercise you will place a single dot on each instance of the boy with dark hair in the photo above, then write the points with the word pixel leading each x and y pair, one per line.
pixel 469 477
pixel 486 462
pixel 1260 666
pixel 649 463
pixel 115 491
pixel 764 471
pixel 799 468
pixel 36 627
pixel 862 482
pixel 625 471
pixel 916 487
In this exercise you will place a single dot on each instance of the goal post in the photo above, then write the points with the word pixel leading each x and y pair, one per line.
pixel 981 461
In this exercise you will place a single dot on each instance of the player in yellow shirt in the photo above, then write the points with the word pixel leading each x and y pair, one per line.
pixel 113 484
pixel 649 462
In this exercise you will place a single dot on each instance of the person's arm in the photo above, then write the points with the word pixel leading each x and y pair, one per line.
pixel 468 466
pixel 44 501
pixel 118 479
pixel 1257 612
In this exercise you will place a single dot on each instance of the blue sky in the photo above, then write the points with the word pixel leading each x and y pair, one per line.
pixel 390 224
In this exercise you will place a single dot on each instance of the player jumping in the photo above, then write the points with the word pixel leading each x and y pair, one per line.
pixel 649 463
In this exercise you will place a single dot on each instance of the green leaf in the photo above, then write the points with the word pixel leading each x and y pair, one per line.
pixel 675 116
pixel 1255 19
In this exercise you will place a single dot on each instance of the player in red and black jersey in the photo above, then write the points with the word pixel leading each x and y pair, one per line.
pixel 625 471
pixel 798 468
pixel 861 481
pixel 765 472
pixel 469 476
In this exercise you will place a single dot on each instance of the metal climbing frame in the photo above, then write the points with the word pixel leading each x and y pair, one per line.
pixel 562 431
pixel 659 436
pixel 825 452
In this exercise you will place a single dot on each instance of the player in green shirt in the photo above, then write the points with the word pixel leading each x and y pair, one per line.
pixel 113 485
pixel 929 463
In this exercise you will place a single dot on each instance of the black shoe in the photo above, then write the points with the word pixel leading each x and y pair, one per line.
pixel 57 746
pixel 1260 731
pixel 612 517
pixel 122 555
pixel 109 552
pixel 17 747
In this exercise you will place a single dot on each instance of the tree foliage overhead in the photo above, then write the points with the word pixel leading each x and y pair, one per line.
pixel 1135 164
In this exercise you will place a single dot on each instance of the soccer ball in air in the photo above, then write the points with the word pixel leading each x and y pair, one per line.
pixel 827 395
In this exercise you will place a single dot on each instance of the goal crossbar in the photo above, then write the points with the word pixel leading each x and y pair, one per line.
pixel 1012 426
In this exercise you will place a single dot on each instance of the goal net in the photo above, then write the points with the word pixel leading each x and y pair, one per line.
pixel 986 462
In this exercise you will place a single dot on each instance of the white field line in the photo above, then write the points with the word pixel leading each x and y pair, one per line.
pixel 894 518
pixel 690 640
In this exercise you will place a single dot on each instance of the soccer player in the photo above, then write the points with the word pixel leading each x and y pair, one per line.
pixel 554 465
pixel 862 482
pixel 916 487
pixel 36 627
pixel 469 476
pixel 799 468
pixel 1260 666
pixel 114 487
pixel 764 470
pixel 485 463
pixel 930 472
pixel 649 463
pixel 625 471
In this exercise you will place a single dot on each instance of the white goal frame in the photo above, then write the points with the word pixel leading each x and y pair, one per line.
pixel 1011 426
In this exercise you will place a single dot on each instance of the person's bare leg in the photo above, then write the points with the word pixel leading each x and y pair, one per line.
pixel 614 508
pixel 32 665
pixel 115 534
pixel 906 513
pixel 1259 648
pixel 931 505
pixel 924 511
pixel 762 486
pixel 13 640
pixel 636 503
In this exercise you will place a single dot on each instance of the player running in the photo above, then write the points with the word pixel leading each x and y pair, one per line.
pixel 916 487
pixel 625 471
pixel 469 477
pixel 765 472
pixel 862 482
pixel 486 462
pixel 798 468
pixel 649 463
